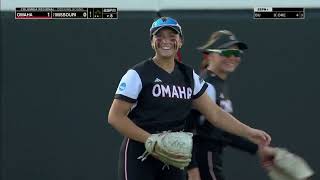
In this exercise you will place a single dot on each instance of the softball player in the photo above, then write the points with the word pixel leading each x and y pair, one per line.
pixel 222 54
pixel 157 95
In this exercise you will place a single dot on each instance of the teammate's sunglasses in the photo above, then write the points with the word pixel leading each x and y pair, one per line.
pixel 226 52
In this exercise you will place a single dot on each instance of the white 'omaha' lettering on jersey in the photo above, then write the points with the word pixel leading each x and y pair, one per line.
pixel 174 92
pixel 171 91
pixel 165 91
pixel 182 92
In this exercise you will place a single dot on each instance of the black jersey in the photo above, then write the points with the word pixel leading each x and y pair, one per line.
pixel 214 137
pixel 162 100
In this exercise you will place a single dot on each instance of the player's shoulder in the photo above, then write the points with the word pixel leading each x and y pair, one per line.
pixel 143 67
pixel 144 64
pixel 207 77
pixel 213 79
pixel 185 67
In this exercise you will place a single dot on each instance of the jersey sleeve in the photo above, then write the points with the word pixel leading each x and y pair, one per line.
pixel 129 87
pixel 200 86
pixel 211 91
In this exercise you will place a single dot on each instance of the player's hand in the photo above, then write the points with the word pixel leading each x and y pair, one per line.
pixel 266 155
pixel 194 174
pixel 259 137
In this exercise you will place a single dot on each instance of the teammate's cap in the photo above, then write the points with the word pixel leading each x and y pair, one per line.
pixel 221 40
pixel 163 22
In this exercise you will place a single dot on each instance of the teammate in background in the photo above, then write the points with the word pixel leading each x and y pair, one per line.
pixel 157 95
pixel 221 56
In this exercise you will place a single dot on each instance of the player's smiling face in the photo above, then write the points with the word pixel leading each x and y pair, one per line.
pixel 224 64
pixel 166 42
pixel 229 64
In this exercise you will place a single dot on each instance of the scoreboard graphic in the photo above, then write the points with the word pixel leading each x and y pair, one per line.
pixel 66 13
pixel 278 13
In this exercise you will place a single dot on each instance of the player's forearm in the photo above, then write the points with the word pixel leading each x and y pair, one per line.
pixel 127 128
pixel 220 118
pixel 241 143
pixel 227 122
pixel 194 174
